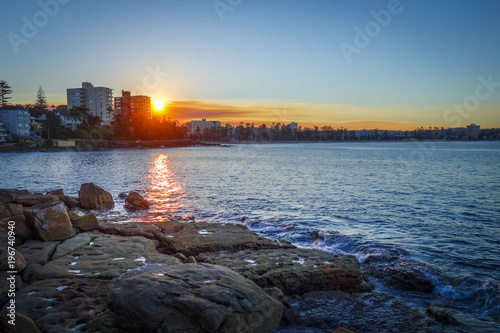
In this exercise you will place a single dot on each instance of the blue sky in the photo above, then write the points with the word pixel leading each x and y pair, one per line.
pixel 268 55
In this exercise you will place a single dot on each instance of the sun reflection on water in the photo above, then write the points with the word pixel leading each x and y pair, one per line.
pixel 163 193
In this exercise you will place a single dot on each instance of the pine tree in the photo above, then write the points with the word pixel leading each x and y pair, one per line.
pixel 5 91
pixel 41 101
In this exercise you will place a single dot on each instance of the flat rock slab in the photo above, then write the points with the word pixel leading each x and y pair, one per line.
pixel 36 253
pixel 159 231
pixel 196 238
pixel 72 244
pixel 191 298
pixel 369 312
pixel 28 200
pixel 294 271
pixel 105 257
pixel 64 305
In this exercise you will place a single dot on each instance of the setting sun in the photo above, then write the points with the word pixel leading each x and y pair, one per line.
pixel 158 105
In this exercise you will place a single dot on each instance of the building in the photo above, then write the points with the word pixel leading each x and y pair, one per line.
pixel 16 121
pixel 203 124
pixel 135 108
pixel 3 133
pixel 473 132
pixel 99 100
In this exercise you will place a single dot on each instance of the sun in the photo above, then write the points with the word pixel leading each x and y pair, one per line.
pixel 159 105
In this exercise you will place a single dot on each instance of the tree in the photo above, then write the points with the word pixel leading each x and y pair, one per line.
pixel 41 100
pixel 5 91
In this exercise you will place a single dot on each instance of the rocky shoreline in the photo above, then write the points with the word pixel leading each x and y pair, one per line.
pixel 78 274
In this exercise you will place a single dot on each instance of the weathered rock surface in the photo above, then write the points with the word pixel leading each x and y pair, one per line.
pixel 105 257
pixel 135 201
pixel 92 196
pixel 64 305
pixel 86 223
pixel 70 202
pixel 10 195
pixel 21 227
pixel 371 312
pixel 196 238
pixel 28 200
pixel 4 212
pixel 19 260
pixel 50 221
pixel 400 275
pixel 36 253
pixel 72 244
pixel 294 271
pixel 15 209
pixel 191 298
pixel 23 325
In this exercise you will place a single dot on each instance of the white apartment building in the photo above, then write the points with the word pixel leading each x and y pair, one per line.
pixel 203 124
pixel 3 133
pixel 97 99
pixel 16 121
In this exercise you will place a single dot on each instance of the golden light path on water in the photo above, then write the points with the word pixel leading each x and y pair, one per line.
pixel 163 193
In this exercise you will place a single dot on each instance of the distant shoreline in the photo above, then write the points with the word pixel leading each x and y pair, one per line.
pixel 102 145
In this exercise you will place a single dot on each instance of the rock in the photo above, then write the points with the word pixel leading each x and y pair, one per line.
pixel 63 305
pixel 400 274
pixel 71 245
pixel 15 209
pixel 180 256
pixel 19 260
pixel 294 271
pixel 105 257
pixel 190 260
pixel 342 330
pixel 28 200
pixel 122 195
pixel 191 298
pixel 36 253
pixel 22 228
pixel 4 212
pixel 70 202
pixel 23 325
pixel 134 201
pixel 86 223
pixel 58 192
pixel 10 195
pixel 93 197
pixel 196 238
pixel 441 315
pixel 50 221
pixel 368 312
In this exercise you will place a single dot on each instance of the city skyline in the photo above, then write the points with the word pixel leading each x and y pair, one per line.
pixel 379 64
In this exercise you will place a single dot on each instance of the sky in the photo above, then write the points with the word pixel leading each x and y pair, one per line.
pixel 354 64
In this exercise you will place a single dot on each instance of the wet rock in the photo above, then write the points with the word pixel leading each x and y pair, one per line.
pixel 105 257
pixel 50 221
pixel 36 253
pixel 92 196
pixel 196 238
pixel 441 315
pixel 294 271
pixel 11 195
pixel 122 195
pixel 15 209
pixel 191 298
pixel 400 275
pixel 64 305
pixel 134 201
pixel 23 325
pixel 28 200
pixel 56 192
pixel 71 245
pixel 369 312
pixel 86 223
pixel 70 202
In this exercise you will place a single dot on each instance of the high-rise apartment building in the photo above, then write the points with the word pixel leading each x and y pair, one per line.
pixel 135 108
pixel 99 100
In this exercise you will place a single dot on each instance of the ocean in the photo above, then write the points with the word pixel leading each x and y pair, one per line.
pixel 434 204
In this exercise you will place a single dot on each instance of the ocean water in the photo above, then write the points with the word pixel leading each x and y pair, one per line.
pixel 434 204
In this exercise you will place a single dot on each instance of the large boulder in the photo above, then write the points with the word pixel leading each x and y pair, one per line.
pixel 135 201
pixel 50 221
pixel 86 223
pixel 92 196
pixel 22 228
pixel 400 274
pixel 294 271
pixel 10 195
pixel 191 298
